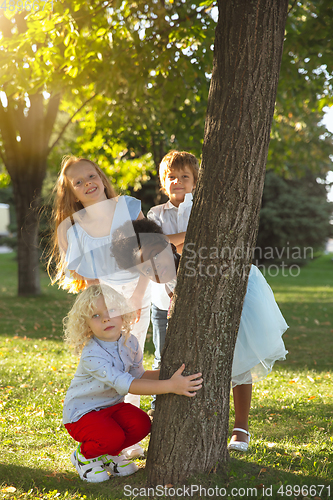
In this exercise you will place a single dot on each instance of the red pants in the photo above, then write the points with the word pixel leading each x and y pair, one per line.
pixel 109 431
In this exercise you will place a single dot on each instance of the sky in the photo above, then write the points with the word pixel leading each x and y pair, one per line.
pixel 328 122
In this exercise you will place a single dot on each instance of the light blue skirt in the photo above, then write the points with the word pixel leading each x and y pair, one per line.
pixel 259 341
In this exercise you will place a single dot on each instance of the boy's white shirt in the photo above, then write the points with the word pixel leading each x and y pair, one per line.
pixel 172 220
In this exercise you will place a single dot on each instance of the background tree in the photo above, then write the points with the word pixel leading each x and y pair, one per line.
pixel 42 56
pixel 299 143
pixel 58 61
pixel 165 85
pixel 190 435
pixel 295 215
pixel 295 211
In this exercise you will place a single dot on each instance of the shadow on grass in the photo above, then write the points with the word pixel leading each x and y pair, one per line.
pixel 239 480
pixel 25 479
pixel 273 482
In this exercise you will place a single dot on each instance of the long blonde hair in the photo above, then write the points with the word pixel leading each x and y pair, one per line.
pixel 65 205
pixel 76 330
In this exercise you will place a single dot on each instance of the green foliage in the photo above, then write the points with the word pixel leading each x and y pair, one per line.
pixel 298 142
pixel 52 51
pixel 162 55
pixel 4 179
pixel 50 59
pixel 295 215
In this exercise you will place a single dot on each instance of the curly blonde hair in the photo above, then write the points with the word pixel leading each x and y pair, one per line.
pixel 65 205
pixel 76 330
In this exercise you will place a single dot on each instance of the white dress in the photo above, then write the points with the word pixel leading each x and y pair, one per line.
pixel 259 341
pixel 91 256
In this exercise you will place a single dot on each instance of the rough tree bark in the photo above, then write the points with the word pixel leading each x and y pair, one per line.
pixel 26 159
pixel 190 435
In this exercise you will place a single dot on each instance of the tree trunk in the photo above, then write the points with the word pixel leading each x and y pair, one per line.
pixel 189 435
pixel 25 133
pixel 27 202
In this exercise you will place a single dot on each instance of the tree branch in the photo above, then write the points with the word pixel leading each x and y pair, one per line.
pixel 50 117
pixel 291 8
pixel 2 158
pixel 68 122
pixel 7 129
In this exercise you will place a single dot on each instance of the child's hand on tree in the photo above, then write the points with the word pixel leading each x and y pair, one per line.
pixel 185 386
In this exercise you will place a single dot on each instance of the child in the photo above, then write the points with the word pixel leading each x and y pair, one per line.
pixel 86 213
pixel 178 174
pixel 259 341
pixel 178 177
pixel 95 415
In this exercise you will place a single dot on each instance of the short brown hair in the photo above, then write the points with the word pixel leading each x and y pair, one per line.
pixel 178 160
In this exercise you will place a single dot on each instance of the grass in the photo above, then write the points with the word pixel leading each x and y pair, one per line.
pixel 291 415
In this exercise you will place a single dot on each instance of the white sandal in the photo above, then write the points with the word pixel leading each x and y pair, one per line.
pixel 240 445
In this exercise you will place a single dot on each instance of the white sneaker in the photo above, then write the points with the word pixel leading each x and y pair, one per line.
pixel 134 451
pixel 119 465
pixel 91 470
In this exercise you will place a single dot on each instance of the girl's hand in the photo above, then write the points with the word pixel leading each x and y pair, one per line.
pixel 92 282
pixel 138 295
pixel 136 301
pixel 185 386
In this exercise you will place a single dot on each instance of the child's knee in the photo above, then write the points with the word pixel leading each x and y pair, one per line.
pixel 143 424
pixel 147 423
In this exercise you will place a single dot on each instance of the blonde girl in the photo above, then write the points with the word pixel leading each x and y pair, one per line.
pixel 95 414
pixel 77 332
pixel 76 176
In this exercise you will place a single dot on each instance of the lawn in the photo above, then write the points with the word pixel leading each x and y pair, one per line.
pixel 291 415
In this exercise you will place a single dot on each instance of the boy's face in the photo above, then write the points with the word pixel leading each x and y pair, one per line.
pixel 157 263
pixel 177 183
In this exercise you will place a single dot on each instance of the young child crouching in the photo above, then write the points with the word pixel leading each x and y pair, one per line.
pixel 99 327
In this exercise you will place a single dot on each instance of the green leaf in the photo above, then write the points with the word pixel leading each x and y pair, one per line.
pixel 101 32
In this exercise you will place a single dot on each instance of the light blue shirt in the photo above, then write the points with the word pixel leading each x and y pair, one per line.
pixel 103 376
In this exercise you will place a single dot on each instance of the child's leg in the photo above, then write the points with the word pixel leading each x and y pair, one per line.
pixel 139 330
pixel 135 423
pixel 159 319
pixel 109 431
pixel 242 403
